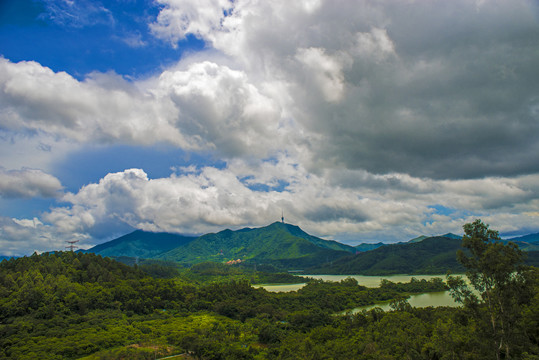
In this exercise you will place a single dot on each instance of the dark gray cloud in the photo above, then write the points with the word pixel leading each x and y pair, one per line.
pixel 335 213
pixel 433 88
pixel 458 99
pixel 361 120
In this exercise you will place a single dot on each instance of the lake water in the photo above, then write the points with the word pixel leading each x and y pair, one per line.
pixel 442 298
pixel 368 281
pixel 421 300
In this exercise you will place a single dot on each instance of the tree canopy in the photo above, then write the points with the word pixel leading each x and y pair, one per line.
pixel 500 285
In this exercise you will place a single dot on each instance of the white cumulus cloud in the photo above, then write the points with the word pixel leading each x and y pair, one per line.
pixel 27 183
pixel 387 119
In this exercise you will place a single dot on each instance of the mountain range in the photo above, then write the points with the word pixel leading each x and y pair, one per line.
pixel 280 244
pixel 289 247
pixel 142 244
pixel 527 242
pixel 430 255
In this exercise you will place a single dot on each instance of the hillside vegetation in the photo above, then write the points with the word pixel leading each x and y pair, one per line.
pixel 141 244
pixel 72 305
pixel 286 247
pixel 279 244
pixel 68 305
pixel 435 255
pixel 432 255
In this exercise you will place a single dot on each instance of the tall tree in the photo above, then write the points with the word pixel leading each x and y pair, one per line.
pixel 499 284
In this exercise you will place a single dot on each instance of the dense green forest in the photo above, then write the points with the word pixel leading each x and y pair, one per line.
pixel 67 305
pixel 72 305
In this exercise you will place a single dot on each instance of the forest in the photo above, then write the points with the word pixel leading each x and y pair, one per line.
pixel 68 305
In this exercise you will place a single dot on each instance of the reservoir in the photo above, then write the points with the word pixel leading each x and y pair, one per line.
pixel 442 298
pixel 363 280
pixel 420 300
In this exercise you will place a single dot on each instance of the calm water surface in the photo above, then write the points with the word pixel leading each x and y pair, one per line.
pixel 422 300
pixel 442 298
pixel 368 281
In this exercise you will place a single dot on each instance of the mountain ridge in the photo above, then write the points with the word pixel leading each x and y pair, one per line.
pixel 432 255
pixel 279 243
pixel 288 246
pixel 140 243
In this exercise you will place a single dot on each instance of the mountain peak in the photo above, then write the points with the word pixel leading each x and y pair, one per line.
pixel 452 236
pixel 423 237
pixel 418 239
pixel 290 228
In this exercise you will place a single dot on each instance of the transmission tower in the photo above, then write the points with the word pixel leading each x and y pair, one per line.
pixel 72 245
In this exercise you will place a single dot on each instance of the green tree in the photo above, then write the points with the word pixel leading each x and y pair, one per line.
pixel 499 285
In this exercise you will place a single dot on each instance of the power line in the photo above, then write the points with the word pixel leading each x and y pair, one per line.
pixel 72 245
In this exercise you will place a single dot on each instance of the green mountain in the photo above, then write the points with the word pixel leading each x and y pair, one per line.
pixel 287 246
pixel 142 244
pixel 531 238
pixel 423 237
pixel 527 242
pixel 417 239
pixel 452 236
pixel 433 255
pixel 368 246
pixel 279 244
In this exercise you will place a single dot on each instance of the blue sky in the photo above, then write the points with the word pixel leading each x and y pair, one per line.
pixel 362 124
pixel 80 37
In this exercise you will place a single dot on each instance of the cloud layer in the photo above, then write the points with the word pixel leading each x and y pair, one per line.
pixel 28 183
pixel 379 207
pixel 361 120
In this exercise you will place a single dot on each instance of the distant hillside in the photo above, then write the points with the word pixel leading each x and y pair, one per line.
pixel 368 247
pixel 527 242
pixel 418 239
pixel 287 246
pixel 423 237
pixel 431 255
pixel 434 255
pixel 531 238
pixel 280 244
pixel 452 236
pixel 140 244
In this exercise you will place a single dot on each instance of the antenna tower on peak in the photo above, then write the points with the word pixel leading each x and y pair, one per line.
pixel 282 216
pixel 72 245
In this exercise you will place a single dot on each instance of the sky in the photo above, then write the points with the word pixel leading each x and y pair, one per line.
pixel 362 121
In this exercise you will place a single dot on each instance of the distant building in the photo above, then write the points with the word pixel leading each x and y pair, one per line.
pixel 233 262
